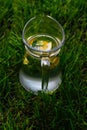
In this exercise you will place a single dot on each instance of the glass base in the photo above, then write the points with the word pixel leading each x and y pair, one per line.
pixel 35 84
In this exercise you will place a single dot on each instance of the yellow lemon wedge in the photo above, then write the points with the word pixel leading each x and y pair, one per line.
pixel 25 62
pixel 54 61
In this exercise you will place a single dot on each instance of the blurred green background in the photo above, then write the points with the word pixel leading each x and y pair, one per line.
pixel 66 108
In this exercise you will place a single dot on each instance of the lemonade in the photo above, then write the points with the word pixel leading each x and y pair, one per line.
pixel 43 37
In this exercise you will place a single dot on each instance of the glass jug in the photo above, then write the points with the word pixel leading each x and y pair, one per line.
pixel 43 38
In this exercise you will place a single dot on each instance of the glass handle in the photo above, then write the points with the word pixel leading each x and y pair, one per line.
pixel 45 64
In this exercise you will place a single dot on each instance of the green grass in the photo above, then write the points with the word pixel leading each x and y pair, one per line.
pixel 65 109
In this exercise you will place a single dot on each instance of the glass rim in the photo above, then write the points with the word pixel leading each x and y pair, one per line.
pixel 42 51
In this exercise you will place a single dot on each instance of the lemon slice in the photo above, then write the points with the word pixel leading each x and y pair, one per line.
pixel 43 45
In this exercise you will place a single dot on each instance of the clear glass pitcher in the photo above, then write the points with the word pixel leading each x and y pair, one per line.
pixel 43 38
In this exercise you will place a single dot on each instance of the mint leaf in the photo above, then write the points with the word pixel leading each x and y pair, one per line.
pixel 34 43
